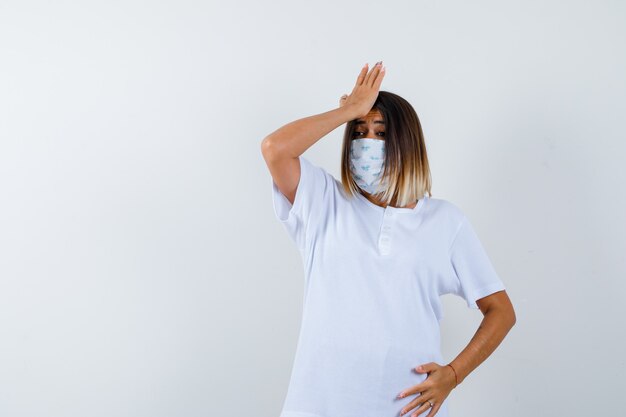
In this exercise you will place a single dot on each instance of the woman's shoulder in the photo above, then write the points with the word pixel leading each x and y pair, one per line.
pixel 317 169
pixel 445 210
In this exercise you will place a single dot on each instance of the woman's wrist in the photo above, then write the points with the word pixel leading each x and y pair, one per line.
pixel 350 113
pixel 456 378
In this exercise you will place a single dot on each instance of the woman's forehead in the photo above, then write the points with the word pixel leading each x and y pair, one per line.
pixel 373 117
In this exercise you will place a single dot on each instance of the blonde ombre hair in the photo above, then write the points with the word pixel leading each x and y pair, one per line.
pixel 406 169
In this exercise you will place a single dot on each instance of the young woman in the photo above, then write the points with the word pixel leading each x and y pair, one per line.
pixel 378 252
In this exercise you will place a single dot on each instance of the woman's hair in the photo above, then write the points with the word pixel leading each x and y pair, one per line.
pixel 406 169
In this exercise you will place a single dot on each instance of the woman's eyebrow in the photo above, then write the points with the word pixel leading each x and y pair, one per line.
pixel 360 122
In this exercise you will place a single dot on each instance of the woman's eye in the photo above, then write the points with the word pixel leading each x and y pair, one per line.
pixel 361 133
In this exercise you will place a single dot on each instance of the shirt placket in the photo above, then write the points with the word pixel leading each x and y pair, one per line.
pixel 386 232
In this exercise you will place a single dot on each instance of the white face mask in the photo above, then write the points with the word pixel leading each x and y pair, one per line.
pixel 367 160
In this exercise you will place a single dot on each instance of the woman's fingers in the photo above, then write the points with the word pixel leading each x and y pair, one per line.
pixel 366 89
pixel 421 409
pixel 379 78
pixel 434 410
pixel 436 388
pixel 361 76
pixel 375 76
pixel 366 82
pixel 422 404
pixel 415 389
pixel 371 77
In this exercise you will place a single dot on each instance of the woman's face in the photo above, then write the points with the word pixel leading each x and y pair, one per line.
pixel 371 126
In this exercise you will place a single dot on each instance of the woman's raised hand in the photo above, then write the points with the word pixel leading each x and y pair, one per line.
pixel 364 94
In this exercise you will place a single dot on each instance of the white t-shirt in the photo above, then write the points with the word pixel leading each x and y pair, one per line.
pixel 373 278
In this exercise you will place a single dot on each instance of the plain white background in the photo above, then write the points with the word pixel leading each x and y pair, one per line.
pixel 142 270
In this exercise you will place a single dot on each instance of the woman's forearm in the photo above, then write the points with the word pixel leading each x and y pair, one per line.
pixel 490 333
pixel 292 139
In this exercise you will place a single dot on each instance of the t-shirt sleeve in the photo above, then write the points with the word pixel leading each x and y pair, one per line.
pixel 476 276
pixel 310 202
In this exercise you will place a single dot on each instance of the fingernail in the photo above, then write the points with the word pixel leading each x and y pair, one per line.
pixel 401 395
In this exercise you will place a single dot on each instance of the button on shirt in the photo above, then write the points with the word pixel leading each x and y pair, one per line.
pixel 373 278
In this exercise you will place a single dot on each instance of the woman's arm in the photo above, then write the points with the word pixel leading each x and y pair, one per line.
pixel 498 319
pixel 282 148
pixel 293 139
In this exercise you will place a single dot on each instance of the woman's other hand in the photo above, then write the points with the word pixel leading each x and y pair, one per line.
pixel 435 388
pixel 364 94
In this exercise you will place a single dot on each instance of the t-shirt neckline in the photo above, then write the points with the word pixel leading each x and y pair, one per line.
pixel 415 209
